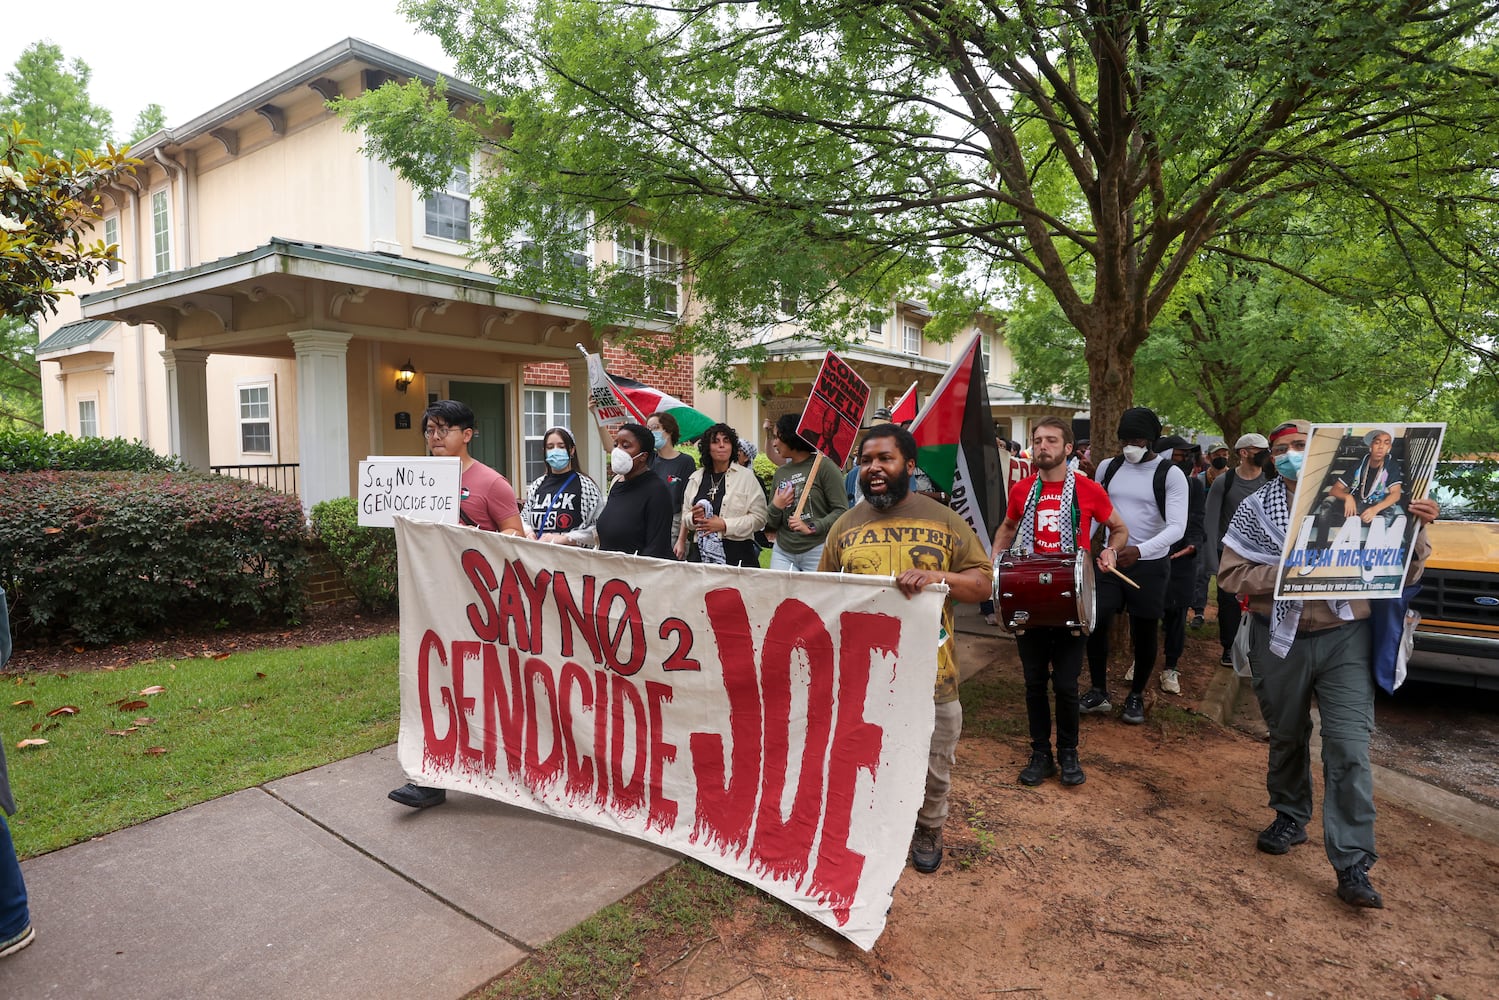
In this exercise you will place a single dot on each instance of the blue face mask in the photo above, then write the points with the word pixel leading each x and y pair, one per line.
pixel 1289 464
pixel 558 459
pixel 659 438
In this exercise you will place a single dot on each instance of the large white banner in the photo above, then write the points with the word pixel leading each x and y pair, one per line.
pixel 772 725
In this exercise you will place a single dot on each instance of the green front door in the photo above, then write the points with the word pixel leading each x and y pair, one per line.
pixel 490 444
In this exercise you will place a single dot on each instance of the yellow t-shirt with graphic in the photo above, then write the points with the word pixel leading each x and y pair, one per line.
pixel 917 533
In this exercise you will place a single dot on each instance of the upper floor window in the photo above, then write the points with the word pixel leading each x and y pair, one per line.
pixel 655 262
pixel 572 227
pixel 88 418
pixel 161 231
pixel 447 211
pixel 911 341
pixel 876 328
pixel 986 347
pixel 112 238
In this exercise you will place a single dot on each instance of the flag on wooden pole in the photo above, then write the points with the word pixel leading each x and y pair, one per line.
pixel 956 447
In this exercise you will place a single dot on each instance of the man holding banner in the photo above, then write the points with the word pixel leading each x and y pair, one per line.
pixel 886 536
pixel 486 501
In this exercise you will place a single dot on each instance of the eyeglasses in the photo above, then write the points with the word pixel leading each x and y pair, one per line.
pixel 1281 449
pixel 439 430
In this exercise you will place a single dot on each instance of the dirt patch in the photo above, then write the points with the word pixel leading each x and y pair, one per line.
pixel 323 623
pixel 1142 882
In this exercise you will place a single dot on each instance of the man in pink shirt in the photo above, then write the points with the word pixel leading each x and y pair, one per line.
pixel 486 501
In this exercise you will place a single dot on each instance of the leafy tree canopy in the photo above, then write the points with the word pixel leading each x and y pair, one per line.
pixel 151 120
pixel 49 95
pixel 1087 156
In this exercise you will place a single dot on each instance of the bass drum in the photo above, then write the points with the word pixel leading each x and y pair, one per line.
pixel 1045 591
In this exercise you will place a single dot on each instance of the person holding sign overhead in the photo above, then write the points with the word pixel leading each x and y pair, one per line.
pixel 802 506
pixel 485 501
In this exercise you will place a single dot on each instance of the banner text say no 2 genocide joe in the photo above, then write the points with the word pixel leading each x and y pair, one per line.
pixel 779 738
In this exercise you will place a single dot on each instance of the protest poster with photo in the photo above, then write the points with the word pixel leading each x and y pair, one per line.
pixel 1350 531
pixel 835 409
pixel 774 726
pixel 423 488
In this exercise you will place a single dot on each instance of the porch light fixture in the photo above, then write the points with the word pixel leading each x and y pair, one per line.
pixel 404 376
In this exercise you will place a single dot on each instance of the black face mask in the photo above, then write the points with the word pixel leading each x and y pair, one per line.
pixel 1220 463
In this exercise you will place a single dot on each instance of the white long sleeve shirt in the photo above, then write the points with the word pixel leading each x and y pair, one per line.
pixel 1132 491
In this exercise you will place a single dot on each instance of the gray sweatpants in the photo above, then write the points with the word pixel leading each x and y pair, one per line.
pixel 1335 665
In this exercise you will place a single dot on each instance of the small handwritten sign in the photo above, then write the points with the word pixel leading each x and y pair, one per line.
pixel 423 489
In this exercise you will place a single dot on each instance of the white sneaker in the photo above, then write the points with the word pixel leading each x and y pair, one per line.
pixel 1129 674
pixel 991 620
pixel 1171 681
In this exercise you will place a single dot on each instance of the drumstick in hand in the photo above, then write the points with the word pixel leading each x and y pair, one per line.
pixel 1121 576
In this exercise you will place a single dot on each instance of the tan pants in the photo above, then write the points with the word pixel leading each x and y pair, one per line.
pixel 939 761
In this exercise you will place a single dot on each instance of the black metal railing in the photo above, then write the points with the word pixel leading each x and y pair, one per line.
pixel 282 477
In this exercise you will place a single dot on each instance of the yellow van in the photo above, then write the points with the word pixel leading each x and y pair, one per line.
pixel 1457 641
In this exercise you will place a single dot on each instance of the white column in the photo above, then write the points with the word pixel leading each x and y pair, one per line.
pixel 187 405
pixel 322 414
pixel 584 427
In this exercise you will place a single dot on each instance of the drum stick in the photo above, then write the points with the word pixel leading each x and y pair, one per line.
pixel 807 486
pixel 1121 576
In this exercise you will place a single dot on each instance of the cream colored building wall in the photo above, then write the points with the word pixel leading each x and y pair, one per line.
pixel 309 185
pixel 227 374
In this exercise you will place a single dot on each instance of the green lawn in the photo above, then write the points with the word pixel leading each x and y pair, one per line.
pixel 217 727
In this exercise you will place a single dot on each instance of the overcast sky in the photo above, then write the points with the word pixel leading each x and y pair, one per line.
pixel 190 57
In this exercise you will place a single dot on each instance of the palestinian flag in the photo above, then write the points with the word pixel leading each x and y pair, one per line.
pixel 646 401
pixel 905 407
pixel 956 447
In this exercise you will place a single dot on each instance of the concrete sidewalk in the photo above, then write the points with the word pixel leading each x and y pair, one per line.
pixel 315 886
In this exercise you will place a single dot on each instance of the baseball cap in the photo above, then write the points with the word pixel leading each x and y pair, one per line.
pixel 1251 441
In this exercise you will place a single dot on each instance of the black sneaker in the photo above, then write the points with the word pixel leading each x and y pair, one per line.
pixel 926 849
pixel 1198 621
pixel 1072 771
pixel 1134 709
pixel 1039 769
pixel 1355 890
pixel 1096 700
pixel 1226 660
pixel 419 796
pixel 1281 835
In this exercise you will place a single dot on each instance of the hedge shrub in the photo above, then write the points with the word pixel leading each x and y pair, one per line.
pixel 365 556
pixel 98 557
pixel 33 451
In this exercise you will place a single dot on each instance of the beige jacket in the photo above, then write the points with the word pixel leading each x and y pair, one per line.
pixel 743 509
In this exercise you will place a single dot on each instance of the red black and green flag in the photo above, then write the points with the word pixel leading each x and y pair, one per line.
pixel 956 447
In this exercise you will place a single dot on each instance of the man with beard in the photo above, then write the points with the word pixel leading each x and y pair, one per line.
pixel 1299 649
pixel 1151 495
pixel 1053 512
pixel 887 461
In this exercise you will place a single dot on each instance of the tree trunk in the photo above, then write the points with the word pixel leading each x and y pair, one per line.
pixel 1111 376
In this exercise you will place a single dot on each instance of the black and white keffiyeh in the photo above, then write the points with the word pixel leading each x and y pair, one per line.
pixel 1258 533
pixel 1025 537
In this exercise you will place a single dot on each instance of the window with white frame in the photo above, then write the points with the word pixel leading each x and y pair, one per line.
pixel 161 231
pixel 257 419
pixel 447 211
pixel 876 328
pixel 986 347
pixel 574 230
pixel 542 409
pixel 911 339
pixel 112 238
pixel 655 263
pixel 88 417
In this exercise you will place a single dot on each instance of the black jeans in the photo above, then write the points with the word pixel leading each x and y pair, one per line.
pixel 1228 617
pixel 1175 626
pixel 1142 631
pixel 1055 654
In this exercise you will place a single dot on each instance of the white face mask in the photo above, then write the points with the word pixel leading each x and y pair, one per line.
pixel 1133 454
pixel 621 461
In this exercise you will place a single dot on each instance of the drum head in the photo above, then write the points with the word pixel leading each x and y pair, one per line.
pixel 1087 605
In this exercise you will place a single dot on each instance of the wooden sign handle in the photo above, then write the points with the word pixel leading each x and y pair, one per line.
pixel 807 488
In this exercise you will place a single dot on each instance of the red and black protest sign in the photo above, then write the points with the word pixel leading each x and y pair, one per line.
pixel 834 410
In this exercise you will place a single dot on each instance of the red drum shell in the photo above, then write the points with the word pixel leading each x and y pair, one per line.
pixel 1039 591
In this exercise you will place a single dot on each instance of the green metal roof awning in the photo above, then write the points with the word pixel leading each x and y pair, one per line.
pixel 78 334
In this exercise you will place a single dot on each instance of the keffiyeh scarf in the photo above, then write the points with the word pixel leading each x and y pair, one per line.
pixel 1258 533
pixel 1025 538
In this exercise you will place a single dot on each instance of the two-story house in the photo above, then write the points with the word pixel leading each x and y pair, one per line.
pixel 285 305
